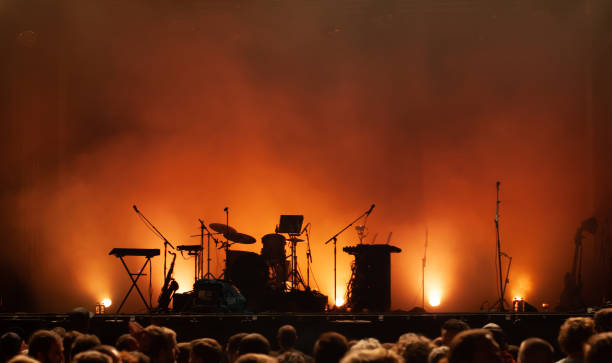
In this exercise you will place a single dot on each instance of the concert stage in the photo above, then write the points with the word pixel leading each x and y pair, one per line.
pixel 387 327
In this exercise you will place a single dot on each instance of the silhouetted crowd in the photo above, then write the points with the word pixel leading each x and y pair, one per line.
pixel 582 339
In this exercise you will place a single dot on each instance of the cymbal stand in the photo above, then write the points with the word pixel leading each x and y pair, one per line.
pixel 226 245
pixel 502 285
pixel 294 274
pixel 335 239
pixel 208 235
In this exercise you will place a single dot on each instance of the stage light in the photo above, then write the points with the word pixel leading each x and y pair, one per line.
pixel 518 304
pixel 106 302
pixel 435 297
pixel 339 301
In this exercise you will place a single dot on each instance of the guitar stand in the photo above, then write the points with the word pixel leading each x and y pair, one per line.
pixel 134 283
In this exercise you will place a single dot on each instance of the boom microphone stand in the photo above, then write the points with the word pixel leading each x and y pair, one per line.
pixel 499 254
pixel 335 239
pixel 166 242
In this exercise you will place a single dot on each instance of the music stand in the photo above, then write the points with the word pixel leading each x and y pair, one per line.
pixel 290 224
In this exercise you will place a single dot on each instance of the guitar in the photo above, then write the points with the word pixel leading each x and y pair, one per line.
pixel 571 296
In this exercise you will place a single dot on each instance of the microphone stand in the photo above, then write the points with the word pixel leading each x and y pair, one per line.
pixel 308 257
pixel 499 253
pixel 335 239
pixel 166 242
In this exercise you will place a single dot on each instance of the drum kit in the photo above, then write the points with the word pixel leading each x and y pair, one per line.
pixel 272 269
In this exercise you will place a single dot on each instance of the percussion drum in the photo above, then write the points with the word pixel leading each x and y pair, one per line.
pixel 273 250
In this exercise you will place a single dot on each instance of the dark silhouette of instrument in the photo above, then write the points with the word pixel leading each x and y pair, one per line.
pixel 169 288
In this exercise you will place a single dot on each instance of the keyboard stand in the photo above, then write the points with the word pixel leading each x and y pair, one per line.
pixel 134 283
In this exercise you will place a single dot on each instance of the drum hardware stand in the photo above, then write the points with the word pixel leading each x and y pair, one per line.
pixel 294 274
pixel 226 245
pixel 335 239
pixel 166 242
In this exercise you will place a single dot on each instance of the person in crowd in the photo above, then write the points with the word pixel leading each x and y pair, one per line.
pixel 603 320
pixel 79 319
pixel 46 347
pixel 376 355
pixel 109 350
pixel 91 356
pixel 232 346
pixel 330 348
pixel 84 342
pixel 10 345
pixel 127 343
pixel 159 344
pixel 513 350
pixel 140 357
pixel 367 343
pixel 184 350
pixel 256 358
pixel 474 346
pixel 449 329
pixel 599 348
pixel 68 341
pixel 291 357
pixel 414 348
pixel 205 350
pixel 21 358
pixel 254 343
pixel 574 333
pixel 438 355
pixel 500 338
pixel 535 350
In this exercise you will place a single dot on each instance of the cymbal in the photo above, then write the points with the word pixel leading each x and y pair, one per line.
pixel 295 240
pixel 222 228
pixel 239 238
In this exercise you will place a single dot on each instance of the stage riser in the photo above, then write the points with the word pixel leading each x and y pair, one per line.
pixel 385 327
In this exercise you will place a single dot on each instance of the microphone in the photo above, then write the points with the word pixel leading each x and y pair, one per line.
pixel 370 210
pixel 225 209
pixel 504 254
pixel 306 226
pixel 136 209
pixel 498 183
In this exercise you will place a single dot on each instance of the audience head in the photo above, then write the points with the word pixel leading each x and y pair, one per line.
pixel 599 349
pixel 367 343
pixel 574 333
pixel 184 351
pixel 474 346
pixel 159 344
pixel 438 354
pixel 603 320
pixel 46 346
pixel 232 346
pixel 91 356
pixel 126 342
pixel 256 358
pixel 376 355
pixel 329 348
pixel 10 345
pixel 535 350
pixel 413 348
pixel 110 351
pixel 205 350
pixel 291 357
pixel 68 340
pixel 20 358
pixel 450 328
pixel 286 337
pixel 498 335
pixel 84 342
pixel 254 343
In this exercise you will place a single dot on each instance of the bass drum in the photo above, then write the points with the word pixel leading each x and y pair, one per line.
pixel 247 270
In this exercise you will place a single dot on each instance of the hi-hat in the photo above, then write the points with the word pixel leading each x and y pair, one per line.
pixel 222 228
pixel 293 239
pixel 239 238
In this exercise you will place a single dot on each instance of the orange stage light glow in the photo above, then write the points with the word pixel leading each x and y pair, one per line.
pixel 106 302
pixel 435 298
pixel 340 301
